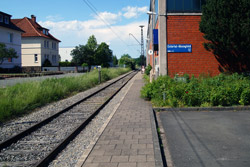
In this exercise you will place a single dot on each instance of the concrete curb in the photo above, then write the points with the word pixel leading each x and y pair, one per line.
pixel 164 140
pixel 236 108
pixel 156 143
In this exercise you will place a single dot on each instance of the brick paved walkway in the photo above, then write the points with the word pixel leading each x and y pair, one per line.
pixel 130 138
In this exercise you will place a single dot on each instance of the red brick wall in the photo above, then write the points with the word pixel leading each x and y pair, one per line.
pixel 185 30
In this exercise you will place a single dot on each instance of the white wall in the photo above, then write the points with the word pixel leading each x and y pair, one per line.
pixel 16 44
pixel 65 53
pixel 35 45
pixel 30 47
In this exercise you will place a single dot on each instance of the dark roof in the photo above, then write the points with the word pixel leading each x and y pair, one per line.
pixel 10 25
pixel 32 28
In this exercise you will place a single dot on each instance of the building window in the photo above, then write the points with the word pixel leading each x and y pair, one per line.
pixel 54 58
pixel 46 44
pixel 10 37
pixel 54 45
pixel 46 56
pixel 45 32
pixel 184 6
pixel 35 58
pixel 6 20
pixel 1 18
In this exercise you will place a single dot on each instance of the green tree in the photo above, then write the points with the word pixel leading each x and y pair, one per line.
pixel 78 54
pixel 127 60
pixel 6 53
pixel 103 55
pixel 92 53
pixel 226 27
pixel 115 60
pixel 124 58
pixel 140 61
pixel 92 43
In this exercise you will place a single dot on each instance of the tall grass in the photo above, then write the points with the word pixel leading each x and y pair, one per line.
pixel 222 90
pixel 21 98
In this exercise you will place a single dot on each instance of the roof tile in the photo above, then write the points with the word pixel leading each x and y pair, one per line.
pixel 32 28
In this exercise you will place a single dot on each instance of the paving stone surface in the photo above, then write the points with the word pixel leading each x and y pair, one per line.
pixel 128 138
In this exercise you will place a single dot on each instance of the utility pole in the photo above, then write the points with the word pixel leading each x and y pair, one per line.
pixel 142 46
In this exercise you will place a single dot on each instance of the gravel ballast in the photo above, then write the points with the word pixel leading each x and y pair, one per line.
pixel 71 155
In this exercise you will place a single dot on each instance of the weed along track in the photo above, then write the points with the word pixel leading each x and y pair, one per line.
pixel 41 143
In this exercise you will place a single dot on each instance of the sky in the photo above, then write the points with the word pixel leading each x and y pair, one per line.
pixel 73 21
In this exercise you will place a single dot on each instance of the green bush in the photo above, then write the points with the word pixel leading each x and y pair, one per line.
pixel 222 90
pixel 21 98
pixel 47 63
pixel 148 69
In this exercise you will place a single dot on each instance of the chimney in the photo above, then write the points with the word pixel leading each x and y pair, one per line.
pixel 33 17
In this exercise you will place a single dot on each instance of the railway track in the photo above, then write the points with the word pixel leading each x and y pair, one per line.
pixel 41 143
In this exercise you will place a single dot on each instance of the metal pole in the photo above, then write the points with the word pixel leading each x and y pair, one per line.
pixel 99 72
pixel 153 57
pixel 142 45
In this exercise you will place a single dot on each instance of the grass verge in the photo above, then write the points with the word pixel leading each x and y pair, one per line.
pixel 21 98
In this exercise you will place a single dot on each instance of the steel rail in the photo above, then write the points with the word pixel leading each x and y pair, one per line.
pixel 31 129
pixel 52 155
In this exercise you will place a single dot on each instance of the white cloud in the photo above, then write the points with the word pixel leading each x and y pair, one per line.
pixel 134 12
pixel 75 32
pixel 111 18
pixel 54 18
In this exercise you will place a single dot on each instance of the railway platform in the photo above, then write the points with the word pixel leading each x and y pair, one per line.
pixel 130 138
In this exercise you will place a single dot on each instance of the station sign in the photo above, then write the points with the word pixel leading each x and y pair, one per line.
pixel 179 48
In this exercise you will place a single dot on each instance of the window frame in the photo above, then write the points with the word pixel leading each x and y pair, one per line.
pixel 53 58
pixel 36 58
pixel 184 7
pixel 11 37
pixel 1 18
pixel 6 20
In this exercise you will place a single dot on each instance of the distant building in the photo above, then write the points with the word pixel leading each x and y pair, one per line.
pixel 65 53
pixel 37 45
pixel 10 35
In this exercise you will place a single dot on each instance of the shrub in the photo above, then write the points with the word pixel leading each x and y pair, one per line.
pixel 148 69
pixel 222 90
pixel 47 63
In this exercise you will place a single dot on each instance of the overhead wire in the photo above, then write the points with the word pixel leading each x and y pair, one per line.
pixel 94 9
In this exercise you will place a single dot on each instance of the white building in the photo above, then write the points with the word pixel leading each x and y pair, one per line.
pixel 65 53
pixel 10 35
pixel 37 45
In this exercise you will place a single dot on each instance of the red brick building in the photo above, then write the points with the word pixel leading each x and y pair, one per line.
pixel 178 43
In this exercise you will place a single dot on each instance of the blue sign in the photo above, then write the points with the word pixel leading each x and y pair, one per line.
pixel 179 48
pixel 155 33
